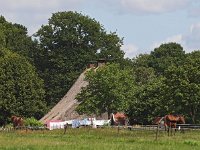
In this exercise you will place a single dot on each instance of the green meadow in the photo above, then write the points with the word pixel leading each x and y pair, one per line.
pixel 98 139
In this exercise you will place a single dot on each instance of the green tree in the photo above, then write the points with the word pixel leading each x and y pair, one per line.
pixel 183 91
pixel 142 60
pixel 14 37
pixel 66 44
pixel 148 97
pixel 110 90
pixel 144 75
pixel 21 90
pixel 152 97
pixel 166 55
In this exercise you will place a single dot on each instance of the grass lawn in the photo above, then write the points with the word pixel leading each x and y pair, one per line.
pixel 98 139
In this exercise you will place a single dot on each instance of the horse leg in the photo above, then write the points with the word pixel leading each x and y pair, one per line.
pixel 168 130
pixel 174 129
pixel 171 128
pixel 182 130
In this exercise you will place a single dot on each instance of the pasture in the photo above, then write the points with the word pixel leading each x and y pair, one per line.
pixel 98 139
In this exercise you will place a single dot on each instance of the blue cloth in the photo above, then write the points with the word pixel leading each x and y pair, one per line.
pixel 75 123
pixel 83 122
pixel 78 123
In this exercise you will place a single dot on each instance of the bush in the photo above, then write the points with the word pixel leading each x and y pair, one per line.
pixel 32 122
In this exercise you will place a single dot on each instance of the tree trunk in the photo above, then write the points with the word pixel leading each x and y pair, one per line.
pixel 193 115
pixel 193 119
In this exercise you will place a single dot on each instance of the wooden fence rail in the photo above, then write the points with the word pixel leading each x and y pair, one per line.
pixel 154 127
pixel 9 129
pixel 135 127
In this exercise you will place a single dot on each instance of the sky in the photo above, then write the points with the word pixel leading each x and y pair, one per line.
pixel 143 24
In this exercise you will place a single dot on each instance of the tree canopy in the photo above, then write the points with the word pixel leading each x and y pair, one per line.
pixel 110 90
pixel 166 55
pixel 66 44
pixel 21 90
pixel 14 37
pixel 184 87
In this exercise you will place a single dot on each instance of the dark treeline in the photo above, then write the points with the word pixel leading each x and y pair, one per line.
pixel 36 72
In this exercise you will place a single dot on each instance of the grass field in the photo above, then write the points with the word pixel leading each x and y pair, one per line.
pixel 98 139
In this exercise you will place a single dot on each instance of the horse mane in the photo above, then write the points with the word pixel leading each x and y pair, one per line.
pixel 181 119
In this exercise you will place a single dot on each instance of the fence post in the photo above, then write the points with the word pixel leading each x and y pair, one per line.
pixel 65 127
pixel 118 129
pixel 157 130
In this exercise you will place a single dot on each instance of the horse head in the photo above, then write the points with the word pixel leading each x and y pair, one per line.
pixel 181 120
pixel 13 118
pixel 157 120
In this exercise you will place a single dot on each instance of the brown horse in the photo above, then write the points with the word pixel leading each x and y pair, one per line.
pixel 172 120
pixel 17 121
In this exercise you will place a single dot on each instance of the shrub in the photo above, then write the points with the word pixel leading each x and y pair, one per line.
pixel 32 122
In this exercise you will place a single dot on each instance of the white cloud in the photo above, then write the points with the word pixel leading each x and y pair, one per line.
pixel 34 13
pixel 39 5
pixel 192 38
pixel 154 6
pixel 194 12
pixel 189 40
pixel 130 50
pixel 176 38
pixel 144 7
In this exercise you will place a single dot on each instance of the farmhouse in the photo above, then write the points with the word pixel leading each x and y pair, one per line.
pixel 65 108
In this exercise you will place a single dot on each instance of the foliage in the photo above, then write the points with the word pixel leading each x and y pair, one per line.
pixel 14 37
pixel 168 82
pixel 143 75
pixel 66 44
pixel 110 90
pixel 21 90
pixel 32 122
pixel 166 55
pixel 143 60
pixel 183 84
pixel 148 102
